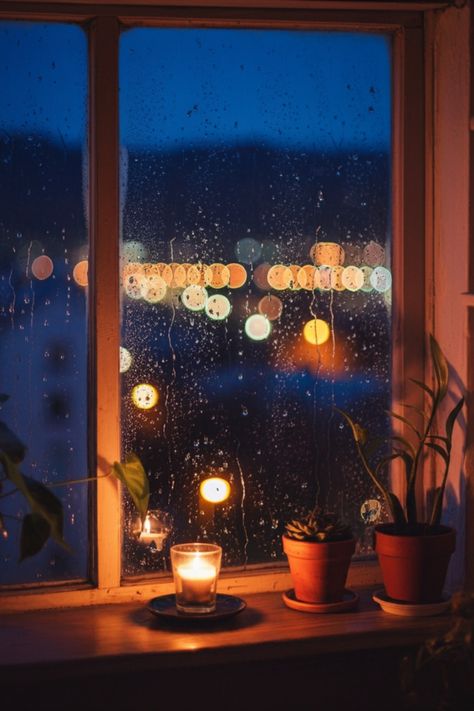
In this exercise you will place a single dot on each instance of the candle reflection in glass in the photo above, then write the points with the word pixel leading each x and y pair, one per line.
pixel 154 530
pixel 196 569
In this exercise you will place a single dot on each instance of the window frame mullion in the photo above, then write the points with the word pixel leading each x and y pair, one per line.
pixel 104 332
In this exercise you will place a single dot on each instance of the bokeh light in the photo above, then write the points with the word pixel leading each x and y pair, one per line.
pixel 217 275
pixel 80 273
pixel 218 307
pixel 42 267
pixel 153 289
pixel 374 254
pixel 248 250
pixel 328 253
pixel 237 275
pixel 215 489
pixel 308 277
pixel 133 251
pixel 194 297
pixel 257 327
pixel 316 332
pixel 353 278
pixel 279 277
pixel 271 307
pixel 381 279
pixel 125 359
pixel 260 276
pixel 144 396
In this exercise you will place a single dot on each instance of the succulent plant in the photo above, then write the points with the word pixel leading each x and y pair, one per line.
pixel 318 526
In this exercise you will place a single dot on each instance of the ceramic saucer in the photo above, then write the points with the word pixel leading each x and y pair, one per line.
pixel 349 601
pixel 164 606
pixel 409 609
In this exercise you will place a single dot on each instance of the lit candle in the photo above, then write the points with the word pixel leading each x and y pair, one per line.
pixel 196 569
pixel 153 534
pixel 198 580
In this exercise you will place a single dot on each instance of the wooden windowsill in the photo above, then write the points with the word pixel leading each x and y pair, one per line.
pixel 85 640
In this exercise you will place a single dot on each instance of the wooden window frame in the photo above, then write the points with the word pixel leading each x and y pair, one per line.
pixel 408 227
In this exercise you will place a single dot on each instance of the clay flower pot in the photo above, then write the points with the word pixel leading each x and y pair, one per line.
pixel 319 570
pixel 414 567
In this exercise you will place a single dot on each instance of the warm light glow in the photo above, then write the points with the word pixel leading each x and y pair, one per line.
pixel 294 284
pixel 257 327
pixel 144 396
pixel 133 284
pixel 218 307
pixel 336 278
pixel 374 254
pixel 217 275
pixel 316 332
pixel 308 277
pixel 381 279
pixel 80 273
pixel 125 359
pixel 197 274
pixel 329 254
pixel 279 277
pixel 215 490
pixel 238 275
pixel 42 267
pixel 153 288
pixel 353 278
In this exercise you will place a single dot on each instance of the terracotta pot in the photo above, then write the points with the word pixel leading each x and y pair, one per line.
pixel 319 570
pixel 414 567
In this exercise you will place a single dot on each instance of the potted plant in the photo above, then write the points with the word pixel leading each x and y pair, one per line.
pixel 413 554
pixel 319 550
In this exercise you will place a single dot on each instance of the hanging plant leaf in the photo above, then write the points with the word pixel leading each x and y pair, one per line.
pixel 35 531
pixel 11 445
pixel 133 476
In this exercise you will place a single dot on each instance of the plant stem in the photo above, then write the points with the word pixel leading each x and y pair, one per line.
pixel 69 482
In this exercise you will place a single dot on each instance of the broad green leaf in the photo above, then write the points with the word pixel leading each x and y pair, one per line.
pixel 405 421
pixel 133 476
pixel 10 444
pixel 358 432
pixel 452 419
pixel 442 452
pixel 424 387
pixel 47 505
pixel 35 531
pixel 440 366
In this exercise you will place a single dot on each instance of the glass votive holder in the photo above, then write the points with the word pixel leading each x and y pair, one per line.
pixel 196 569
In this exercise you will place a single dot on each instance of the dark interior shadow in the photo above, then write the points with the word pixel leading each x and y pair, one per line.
pixel 247 618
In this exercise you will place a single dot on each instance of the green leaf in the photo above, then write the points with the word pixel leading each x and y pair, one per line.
pixel 405 421
pixel 47 505
pixel 440 450
pixel 35 531
pixel 39 498
pixel 358 432
pixel 10 444
pixel 133 476
pixel 452 419
pixel 424 387
pixel 440 366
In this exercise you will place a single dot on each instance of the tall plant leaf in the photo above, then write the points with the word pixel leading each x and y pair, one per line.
pixel 408 445
pixel 133 476
pixel 440 450
pixel 452 419
pixel 424 387
pixel 405 421
pixel 440 366
pixel 437 510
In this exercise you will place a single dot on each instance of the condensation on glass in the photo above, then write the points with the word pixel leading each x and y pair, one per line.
pixel 256 280
pixel 43 281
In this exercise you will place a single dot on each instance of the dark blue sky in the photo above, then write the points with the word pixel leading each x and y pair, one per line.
pixel 304 90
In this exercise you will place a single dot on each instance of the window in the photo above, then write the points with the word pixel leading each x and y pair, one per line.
pixel 43 280
pixel 116 179
pixel 255 195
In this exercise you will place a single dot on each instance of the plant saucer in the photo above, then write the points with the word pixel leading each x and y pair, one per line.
pixel 349 601
pixel 410 609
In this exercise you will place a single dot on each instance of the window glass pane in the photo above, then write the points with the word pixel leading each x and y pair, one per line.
pixel 255 204
pixel 43 248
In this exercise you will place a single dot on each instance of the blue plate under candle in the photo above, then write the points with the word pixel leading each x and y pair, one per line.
pixel 164 606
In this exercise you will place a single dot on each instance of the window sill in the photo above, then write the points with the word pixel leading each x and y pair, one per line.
pixel 115 652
